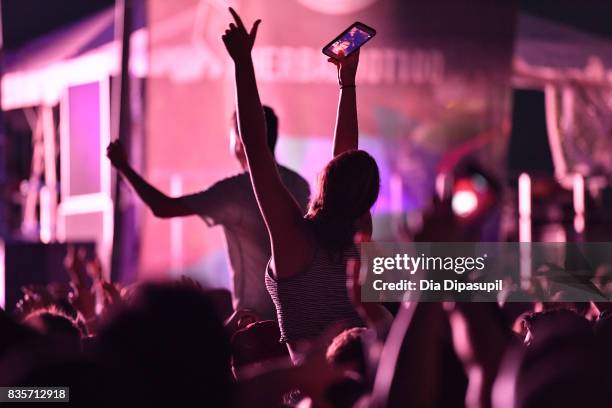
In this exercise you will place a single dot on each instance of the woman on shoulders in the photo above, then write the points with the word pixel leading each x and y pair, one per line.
pixel 306 275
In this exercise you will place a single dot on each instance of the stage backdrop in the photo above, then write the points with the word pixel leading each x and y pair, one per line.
pixel 433 82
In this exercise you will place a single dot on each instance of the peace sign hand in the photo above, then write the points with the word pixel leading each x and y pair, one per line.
pixel 237 40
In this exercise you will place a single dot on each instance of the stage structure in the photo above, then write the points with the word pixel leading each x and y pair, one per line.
pixel 71 69
pixel 574 69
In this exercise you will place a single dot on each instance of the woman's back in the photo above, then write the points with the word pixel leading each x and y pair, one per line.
pixel 309 302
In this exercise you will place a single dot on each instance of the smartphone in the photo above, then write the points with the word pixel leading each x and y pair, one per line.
pixel 349 40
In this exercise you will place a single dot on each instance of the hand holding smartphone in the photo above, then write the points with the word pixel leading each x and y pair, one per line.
pixel 349 40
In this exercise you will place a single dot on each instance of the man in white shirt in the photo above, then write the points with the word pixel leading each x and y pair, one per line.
pixel 231 204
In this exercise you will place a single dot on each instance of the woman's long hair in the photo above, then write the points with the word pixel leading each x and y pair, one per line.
pixel 348 188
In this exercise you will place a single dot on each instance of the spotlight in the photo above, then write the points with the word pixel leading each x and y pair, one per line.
pixel 472 195
pixel 464 202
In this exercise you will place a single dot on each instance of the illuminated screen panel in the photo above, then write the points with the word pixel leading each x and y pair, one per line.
pixel 84 139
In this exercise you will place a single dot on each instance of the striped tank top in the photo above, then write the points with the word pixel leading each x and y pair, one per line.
pixel 311 301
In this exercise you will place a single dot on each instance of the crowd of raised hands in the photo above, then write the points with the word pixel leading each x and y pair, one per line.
pixel 181 344
pixel 86 298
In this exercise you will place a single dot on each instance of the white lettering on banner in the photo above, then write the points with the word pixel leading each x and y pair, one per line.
pixel 377 66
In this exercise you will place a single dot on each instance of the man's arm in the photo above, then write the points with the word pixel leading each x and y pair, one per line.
pixel 162 205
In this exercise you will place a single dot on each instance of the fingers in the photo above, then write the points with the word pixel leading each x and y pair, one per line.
pixel 111 292
pixel 114 148
pixel 333 61
pixel 113 145
pixel 245 320
pixel 236 38
pixel 228 33
pixel 237 18
pixel 254 29
pixel 239 24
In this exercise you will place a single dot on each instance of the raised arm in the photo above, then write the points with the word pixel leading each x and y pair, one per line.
pixel 346 134
pixel 162 205
pixel 280 212
pixel 410 369
pixel 480 338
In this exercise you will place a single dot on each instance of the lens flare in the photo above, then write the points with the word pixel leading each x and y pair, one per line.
pixel 464 202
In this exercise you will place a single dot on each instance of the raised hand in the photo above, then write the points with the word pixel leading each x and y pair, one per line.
pixel 83 301
pixel 74 262
pixel 34 297
pixel 116 154
pixel 81 297
pixel 347 68
pixel 94 269
pixel 240 319
pixel 237 40
pixel 111 295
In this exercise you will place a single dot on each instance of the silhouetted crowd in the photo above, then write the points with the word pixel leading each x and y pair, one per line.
pixel 179 344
